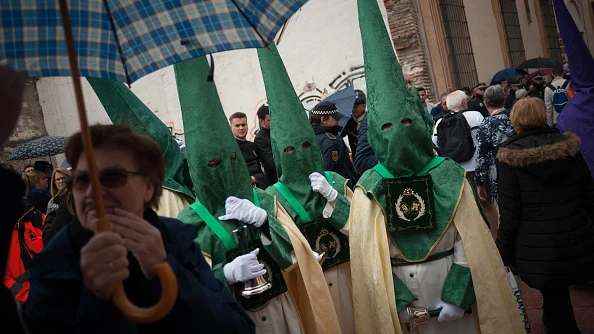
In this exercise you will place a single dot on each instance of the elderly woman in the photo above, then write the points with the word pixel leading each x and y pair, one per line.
pixel 546 201
pixel 37 193
pixel 58 183
pixel 493 131
pixel 76 275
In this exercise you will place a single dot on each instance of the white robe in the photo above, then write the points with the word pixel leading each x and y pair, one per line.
pixel 279 316
pixel 426 281
pixel 341 286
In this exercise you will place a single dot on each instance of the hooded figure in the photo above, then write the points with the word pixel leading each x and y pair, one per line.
pixel 123 107
pixel 218 171
pixel 316 202
pixel 417 237
pixel 577 116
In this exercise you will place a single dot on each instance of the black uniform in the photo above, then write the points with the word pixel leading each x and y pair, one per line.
pixel 248 150
pixel 264 151
pixel 538 91
pixel 335 153
pixel 477 104
pixel 350 130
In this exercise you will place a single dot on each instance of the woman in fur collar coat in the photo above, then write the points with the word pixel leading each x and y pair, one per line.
pixel 546 201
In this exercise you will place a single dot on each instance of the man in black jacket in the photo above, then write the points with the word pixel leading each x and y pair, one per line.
pixel 324 119
pixel 239 128
pixel 263 145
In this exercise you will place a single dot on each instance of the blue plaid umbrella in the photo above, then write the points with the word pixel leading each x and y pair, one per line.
pixel 127 39
pixel 40 147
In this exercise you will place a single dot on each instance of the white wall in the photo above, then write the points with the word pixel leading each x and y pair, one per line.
pixel 321 43
pixel 530 31
pixel 486 46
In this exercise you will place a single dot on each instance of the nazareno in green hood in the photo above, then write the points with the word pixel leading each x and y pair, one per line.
pixel 294 145
pixel 124 107
pixel 209 138
pixel 403 149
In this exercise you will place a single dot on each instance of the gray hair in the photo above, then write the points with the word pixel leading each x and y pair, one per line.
pixel 495 97
pixel 456 99
pixel 521 93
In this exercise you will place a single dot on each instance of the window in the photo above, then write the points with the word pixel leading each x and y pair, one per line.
pixel 458 43
pixel 513 33
pixel 550 30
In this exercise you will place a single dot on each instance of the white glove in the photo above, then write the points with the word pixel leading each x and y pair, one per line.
pixel 449 312
pixel 320 185
pixel 245 211
pixel 244 267
pixel 317 255
pixel 403 316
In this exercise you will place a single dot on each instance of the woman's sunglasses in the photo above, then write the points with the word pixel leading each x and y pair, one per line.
pixel 111 177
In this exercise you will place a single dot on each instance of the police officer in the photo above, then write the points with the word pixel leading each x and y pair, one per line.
pixel 477 103
pixel 324 119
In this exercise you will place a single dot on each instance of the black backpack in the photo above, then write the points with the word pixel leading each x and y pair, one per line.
pixel 454 137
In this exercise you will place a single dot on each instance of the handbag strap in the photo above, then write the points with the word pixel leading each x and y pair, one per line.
pixel 214 225
pixel 292 200
pixel 385 173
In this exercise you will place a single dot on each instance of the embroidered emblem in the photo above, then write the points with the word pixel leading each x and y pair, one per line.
pixel 332 248
pixel 417 206
pixel 334 155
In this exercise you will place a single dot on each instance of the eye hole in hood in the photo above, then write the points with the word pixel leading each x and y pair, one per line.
pixel 386 126
pixel 289 149
pixel 214 163
pixel 306 145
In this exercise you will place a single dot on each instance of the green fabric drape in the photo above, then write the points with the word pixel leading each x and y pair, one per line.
pixel 403 149
pixel 209 137
pixel 294 145
pixel 124 107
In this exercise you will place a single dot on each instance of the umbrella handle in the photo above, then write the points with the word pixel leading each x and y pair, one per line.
pixel 168 292
pixel 164 272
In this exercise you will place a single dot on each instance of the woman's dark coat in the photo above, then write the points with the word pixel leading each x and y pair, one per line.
pixel 56 219
pixel 546 202
pixel 59 301
pixel 39 200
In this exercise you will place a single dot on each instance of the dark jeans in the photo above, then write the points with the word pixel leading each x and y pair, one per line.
pixel 557 312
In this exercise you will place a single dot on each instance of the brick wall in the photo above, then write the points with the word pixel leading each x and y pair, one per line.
pixel 403 20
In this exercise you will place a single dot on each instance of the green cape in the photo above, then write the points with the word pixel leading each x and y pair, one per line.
pixel 123 107
pixel 403 150
pixel 294 144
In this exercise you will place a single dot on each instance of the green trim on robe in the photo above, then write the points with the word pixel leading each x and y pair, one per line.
pixel 458 289
pixel 279 248
pixel 403 295
pixel 339 216
pixel 416 247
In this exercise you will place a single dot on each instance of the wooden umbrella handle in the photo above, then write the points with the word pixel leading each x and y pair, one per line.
pixel 163 270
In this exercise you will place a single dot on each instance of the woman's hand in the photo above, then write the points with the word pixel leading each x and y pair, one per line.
pixel 104 264
pixel 141 238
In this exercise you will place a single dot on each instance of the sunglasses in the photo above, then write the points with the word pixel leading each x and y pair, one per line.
pixel 111 177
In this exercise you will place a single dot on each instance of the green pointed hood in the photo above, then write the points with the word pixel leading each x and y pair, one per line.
pixel 403 150
pixel 290 128
pixel 208 137
pixel 123 107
